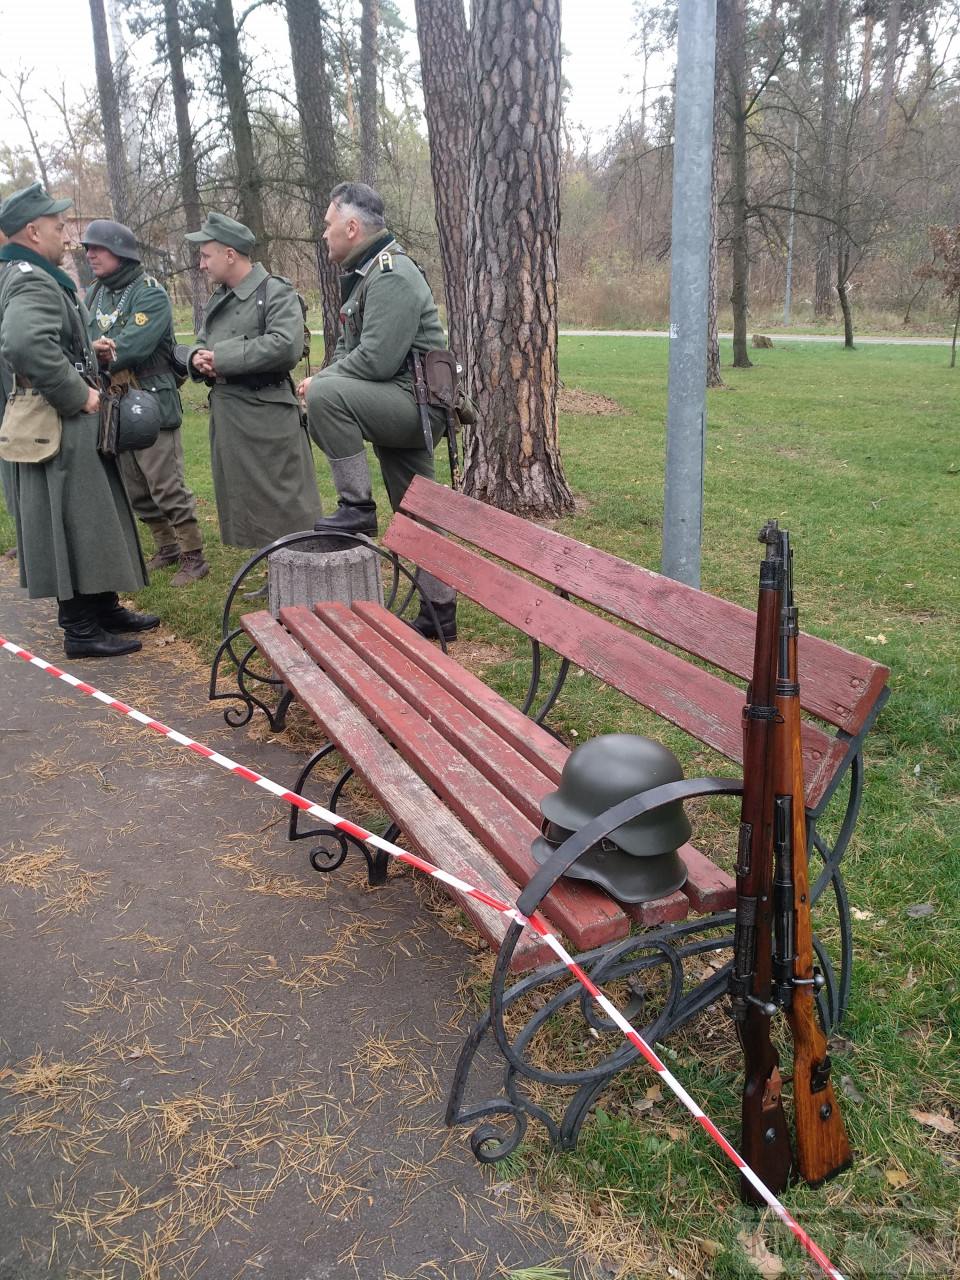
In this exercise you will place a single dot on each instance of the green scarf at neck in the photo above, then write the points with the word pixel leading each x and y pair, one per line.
pixel 125 274
pixel 20 253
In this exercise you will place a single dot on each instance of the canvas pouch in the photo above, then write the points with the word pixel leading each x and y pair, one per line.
pixel 31 429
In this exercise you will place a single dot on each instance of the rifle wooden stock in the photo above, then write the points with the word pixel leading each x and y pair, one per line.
pixel 765 1139
pixel 822 1146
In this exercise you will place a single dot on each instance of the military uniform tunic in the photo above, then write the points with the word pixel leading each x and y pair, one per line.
pixel 134 310
pixel 366 393
pixel 263 472
pixel 76 534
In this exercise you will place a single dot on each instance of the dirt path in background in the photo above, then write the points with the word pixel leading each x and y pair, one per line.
pixel 213 1061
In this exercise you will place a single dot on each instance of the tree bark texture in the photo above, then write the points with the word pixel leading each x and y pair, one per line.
pixel 737 90
pixel 823 298
pixel 321 170
pixel 369 138
pixel 249 176
pixel 512 458
pixel 443 39
pixel 843 275
pixel 891 42
pixel 189 190
pixel 110 111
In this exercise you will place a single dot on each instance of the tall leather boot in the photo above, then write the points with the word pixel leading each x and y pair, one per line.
pixel 356 510
pixel 83 636
pixel 113 617
pixel 193 564
pixel 441 619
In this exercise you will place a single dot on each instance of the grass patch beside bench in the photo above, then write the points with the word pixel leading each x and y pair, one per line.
pixel 858 456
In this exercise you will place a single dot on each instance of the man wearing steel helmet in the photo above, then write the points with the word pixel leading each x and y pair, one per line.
pixel 131 326
pixel 76 535
pixel 251 338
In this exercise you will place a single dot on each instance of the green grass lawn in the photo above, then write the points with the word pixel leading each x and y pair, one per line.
pixel 858 455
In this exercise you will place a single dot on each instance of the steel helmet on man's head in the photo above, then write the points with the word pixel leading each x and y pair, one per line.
pixel 114 236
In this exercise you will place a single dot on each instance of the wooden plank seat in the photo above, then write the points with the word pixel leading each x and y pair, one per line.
pixel 437 739
pixel 461 771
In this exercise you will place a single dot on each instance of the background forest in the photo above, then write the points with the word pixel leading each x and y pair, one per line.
pixel 836 137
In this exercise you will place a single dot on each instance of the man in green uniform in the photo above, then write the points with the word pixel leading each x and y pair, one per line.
pixel 252 336
pixel 366 393
pixel 76 535
pixel 131 325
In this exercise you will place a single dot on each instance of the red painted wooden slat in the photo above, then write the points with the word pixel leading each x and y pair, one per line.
pixel 668 910
pixel 430 827
pixel 695 700
pixel 587 916
pixel 539 747
pixel 708 886
pixel 520 781
pixel 838 686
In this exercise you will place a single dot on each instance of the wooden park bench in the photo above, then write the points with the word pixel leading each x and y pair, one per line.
pixel 460 771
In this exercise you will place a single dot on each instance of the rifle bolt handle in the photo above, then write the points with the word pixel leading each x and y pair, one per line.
pixel 765 1005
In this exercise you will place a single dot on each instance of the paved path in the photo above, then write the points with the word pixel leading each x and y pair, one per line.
pixel 776 334
pixel 213 1061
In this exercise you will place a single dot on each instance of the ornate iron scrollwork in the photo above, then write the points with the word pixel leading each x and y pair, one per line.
pixel 663 977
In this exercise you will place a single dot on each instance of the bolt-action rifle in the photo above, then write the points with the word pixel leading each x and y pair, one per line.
pixel 821 1139
pixel 765 1140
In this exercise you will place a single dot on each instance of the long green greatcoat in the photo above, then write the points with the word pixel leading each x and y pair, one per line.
pixel 76 534
pixel 263 472
pixel 142 330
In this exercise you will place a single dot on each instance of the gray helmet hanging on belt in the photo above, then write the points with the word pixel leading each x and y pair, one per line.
pixel 114 236
pixel 139 419
pixel 638 860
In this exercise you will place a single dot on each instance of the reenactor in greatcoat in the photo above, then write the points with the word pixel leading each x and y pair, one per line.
pixel 76 534
pixel 367 391
pixel 251 338
pixel 131 326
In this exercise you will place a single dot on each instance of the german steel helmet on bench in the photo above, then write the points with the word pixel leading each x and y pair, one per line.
pixel 638 860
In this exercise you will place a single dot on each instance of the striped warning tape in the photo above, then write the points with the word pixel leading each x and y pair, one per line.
pixel 403 855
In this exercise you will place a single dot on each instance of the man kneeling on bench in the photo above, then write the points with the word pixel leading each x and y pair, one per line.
pixel 367 393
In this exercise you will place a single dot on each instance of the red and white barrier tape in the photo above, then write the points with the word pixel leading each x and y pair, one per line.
pixel 351 829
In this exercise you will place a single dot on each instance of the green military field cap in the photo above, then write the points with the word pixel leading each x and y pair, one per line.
pixel 228 231
pixel 23 206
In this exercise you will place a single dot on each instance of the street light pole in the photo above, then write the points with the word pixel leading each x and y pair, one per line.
pixel 689 281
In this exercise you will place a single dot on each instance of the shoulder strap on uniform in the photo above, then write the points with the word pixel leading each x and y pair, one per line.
pixel 261 297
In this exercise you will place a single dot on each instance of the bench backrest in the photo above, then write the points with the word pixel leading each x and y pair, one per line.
pixel 837 686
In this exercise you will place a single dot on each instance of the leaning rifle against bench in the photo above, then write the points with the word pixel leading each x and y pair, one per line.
pixel 773 940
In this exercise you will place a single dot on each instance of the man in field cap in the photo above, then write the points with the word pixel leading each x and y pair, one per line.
pixel 76 535
pixel 250 340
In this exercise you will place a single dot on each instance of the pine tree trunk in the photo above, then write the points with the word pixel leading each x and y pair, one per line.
pixel 891 40
pixel 249 176
pixel 189 190
pixel 110 112
pixel 823 294
pixel 513 457
pixel 737 97
pixel 321 173
pixel 369 144
pixel 442 34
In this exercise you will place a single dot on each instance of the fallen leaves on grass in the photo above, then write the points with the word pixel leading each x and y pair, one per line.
pixel 942 1124
pixel 766 1263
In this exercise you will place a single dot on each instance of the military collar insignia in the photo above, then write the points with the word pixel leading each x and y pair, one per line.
pixel 382 257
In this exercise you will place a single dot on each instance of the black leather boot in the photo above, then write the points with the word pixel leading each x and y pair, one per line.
pixel 84 637
pixel 113 617
pixel 350 517
pixel 446 618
